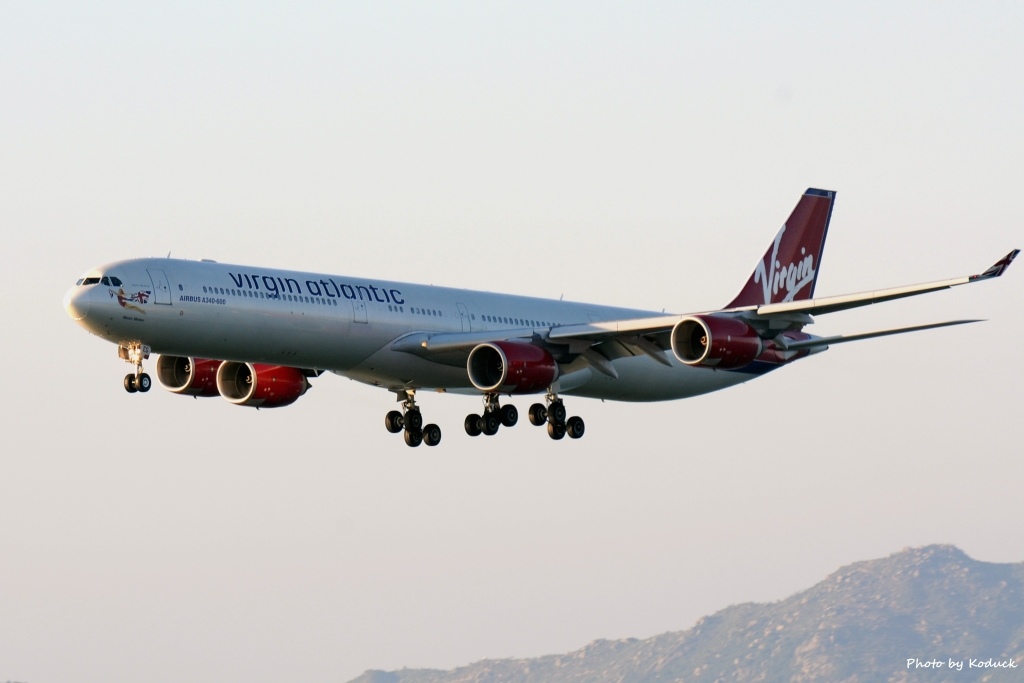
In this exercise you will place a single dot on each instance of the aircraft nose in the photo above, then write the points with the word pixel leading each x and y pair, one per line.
pixel 77 302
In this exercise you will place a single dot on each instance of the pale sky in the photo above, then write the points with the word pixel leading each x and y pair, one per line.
pixel 635 154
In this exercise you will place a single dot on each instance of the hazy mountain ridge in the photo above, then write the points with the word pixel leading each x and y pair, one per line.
pixel 860 623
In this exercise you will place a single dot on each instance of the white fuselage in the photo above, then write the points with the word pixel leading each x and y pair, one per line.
pixel 348 325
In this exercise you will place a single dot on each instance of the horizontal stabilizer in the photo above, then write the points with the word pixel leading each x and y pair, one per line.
pixel 843 338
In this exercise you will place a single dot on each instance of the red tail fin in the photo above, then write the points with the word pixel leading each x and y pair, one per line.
pixel 789 269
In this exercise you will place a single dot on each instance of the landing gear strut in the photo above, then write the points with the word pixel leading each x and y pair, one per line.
pixel 554 416
pixel 494 416
pixel 411 422
pixel 135 353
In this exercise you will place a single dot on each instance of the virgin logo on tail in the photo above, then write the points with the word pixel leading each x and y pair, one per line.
pixel 789 267
pixel 791 279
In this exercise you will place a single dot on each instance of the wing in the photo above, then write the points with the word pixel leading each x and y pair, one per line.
pixel 600 342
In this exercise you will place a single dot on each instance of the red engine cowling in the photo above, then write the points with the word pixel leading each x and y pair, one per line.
pixel 260 386
pixel 188 376
pixel 715 342
pixel 511 368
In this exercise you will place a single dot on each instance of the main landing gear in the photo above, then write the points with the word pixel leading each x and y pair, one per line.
pixel 554 416
pixel 411 421
pixel 135 353
pixel 493 418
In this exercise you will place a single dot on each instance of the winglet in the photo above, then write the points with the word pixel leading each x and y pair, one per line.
pixel 998 268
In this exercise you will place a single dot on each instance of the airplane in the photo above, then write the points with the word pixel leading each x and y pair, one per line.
pixel 256 336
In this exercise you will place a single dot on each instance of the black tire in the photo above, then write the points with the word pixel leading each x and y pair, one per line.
pixel 413 420
pixel 538 414
pixel 129 384
pixel 556 413
pixel 574 427
pixel 394 422
pixel 509 415
pixel 556 431
pixel 413 437
pixel 143 383
pixel 431 435
pixel 473 425
pixel 489 424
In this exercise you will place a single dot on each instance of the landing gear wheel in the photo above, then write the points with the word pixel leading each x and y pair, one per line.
pixel 574 427
pixel 556 431
pixel 509 415
pixel 473 425
pixel 129 384
pixel 413 420
pixel 394 422
pixel 413 437
pixel 431 435
pixel 556 413
pixel 489 424
pixel 538 414
pixel 143 383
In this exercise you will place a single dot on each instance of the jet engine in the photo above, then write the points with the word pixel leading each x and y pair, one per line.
pixel 188 376
pixel 715 342
pixel 505 367
pixel 260 386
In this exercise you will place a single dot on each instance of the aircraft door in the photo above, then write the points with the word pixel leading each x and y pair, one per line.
pixel 467 325
pixel 359 311
pixel 161 290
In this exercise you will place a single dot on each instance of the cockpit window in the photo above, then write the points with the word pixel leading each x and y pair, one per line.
pixel 114 281
pixel 105 281
pixel 80 281
pixel 91 281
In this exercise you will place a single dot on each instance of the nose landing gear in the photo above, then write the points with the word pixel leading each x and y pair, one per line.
pixel 411 422
pixel 135 353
